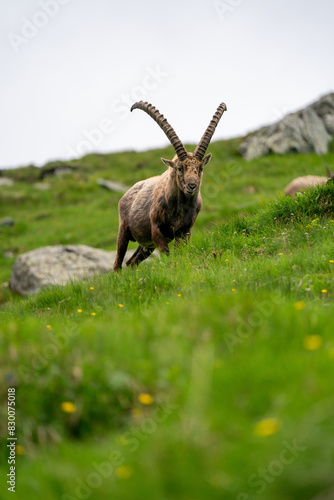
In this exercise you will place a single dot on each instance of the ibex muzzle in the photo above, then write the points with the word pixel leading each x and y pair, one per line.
pixel 155 211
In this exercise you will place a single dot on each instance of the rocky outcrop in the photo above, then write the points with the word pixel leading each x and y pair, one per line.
pixel 308 130
pixel 58 265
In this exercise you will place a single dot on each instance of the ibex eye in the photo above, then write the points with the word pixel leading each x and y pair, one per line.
pixel 179 169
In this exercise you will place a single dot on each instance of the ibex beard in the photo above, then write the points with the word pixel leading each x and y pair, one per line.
pixel 165 207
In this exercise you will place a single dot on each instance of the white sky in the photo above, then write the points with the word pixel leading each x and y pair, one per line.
pixel 88 61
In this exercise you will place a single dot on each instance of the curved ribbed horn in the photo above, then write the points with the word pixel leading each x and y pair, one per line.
pixel 328 170
pixel 207 136
pixel 164 125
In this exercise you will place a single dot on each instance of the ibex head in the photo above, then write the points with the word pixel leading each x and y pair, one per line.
pixel 188 167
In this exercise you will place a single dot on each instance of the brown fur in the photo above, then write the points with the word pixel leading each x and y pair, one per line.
pixel 306 182
pixel 155 211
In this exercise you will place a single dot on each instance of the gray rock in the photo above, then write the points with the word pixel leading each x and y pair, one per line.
pixel 6 181
pixel 315 131
pixel 58 170
pixel 308 130
pixel 253 147
pixel 9 254
pixel 7 221
pixel 58 265
pixel 288 136
pixel 112 185
pixel 324 106
pixel 329 123
pixel 42 186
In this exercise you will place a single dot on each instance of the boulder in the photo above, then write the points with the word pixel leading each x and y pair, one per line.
pixel 112 185
pixel 7 221
pixel 308 130
pixel 42 186
pixel 6 181
pixel 58 170
pixel 58 265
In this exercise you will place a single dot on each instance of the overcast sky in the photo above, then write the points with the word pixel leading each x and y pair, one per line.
pixel 70 70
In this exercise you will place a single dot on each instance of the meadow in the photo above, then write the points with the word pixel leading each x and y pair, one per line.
pixel 203 375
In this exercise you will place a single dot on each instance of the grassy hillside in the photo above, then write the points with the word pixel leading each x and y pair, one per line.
pixel 76 210
pixel 205 374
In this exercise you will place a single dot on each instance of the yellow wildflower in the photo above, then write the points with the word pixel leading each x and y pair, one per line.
pixel 145 399
pixel 79 310
pixel 68 407
pixel 331 261
pixel 123 472
pixel 91 288
pixel 281 253
pixel 312 342
pixel 120 305
pixel 179 295
pixel 267 427
pixel 93 314
pixel 323 291
pixel 49 327
pixel 299 305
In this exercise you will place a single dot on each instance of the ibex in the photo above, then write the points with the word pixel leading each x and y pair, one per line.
pixel 306 182
pixel 155 211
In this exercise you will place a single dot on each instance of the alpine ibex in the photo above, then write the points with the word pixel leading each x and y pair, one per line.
pixel 306 182
pixel 155 211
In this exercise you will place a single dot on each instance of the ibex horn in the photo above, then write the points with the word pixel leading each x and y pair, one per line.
pixel 164 125
pixel 207 136
pixel 329 173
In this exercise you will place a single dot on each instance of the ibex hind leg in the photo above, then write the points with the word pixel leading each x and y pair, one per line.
pixel 123 239
pixel 140 254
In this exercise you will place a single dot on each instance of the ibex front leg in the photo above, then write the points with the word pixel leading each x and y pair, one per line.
pixel 182 235
pixel 159 239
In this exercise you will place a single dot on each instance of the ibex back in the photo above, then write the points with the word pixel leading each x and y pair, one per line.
pixel 308 181
pixel 155 211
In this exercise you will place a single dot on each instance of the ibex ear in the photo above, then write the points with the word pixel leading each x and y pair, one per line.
pixel 168 163
pixel 207 159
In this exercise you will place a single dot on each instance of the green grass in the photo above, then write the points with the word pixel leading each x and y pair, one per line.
pixel 227 332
